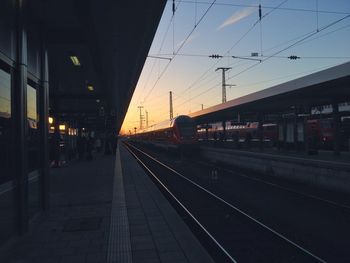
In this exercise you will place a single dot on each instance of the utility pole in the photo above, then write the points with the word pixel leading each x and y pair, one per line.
pixel 146 119
pixel 171 105
pixel 224 85
pixel 135 130
pixel 141 117
pixel 202 106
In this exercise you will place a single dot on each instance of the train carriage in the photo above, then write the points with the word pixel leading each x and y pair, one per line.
pixel 177 133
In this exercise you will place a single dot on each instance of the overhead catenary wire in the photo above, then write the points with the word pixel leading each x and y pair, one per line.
pixel 229 50
pixel 267 7
pixel 160 49
pixel 301 40
pixel 178 50
pixel 312 33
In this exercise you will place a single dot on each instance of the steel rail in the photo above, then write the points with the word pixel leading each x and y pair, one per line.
pixel 235 208
pixel 128 146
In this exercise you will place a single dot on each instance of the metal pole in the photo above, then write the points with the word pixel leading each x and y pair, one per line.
pixel 20 120
pixel 337 122
pixel 43 126
pixel 223 83
pixel 171 105
pixel 261 130
pixel 295 128
pixel 140 107
pixel 306 129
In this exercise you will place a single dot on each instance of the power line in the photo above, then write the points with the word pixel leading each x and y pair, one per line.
pixel 269 7
pixel 249 57
pixel 301 40
pixel 312 33
pixel 180 47
pixel 235 44
pixel 160 48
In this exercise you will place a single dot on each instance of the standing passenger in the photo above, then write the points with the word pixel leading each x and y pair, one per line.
pixel 98 144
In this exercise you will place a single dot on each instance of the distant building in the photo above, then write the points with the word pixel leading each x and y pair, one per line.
pixel 326 109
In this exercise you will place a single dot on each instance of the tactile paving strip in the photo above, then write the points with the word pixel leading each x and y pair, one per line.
pixel 119 245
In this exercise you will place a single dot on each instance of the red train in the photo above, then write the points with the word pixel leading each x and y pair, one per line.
pixel 320 132
pixel 177 133
pixel 237 131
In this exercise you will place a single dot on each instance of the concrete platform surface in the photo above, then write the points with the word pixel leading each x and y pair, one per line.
pixel 105 210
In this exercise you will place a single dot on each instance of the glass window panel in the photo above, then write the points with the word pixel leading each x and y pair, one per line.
pixel 5 126
pixel 31 103
pixel 5 94
pixel 32 115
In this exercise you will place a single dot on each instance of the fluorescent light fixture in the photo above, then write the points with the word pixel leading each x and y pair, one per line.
pixel 90 87
pixel 75 60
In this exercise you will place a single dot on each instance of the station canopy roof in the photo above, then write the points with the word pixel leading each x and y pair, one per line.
pixel 320 88
pixel 110 40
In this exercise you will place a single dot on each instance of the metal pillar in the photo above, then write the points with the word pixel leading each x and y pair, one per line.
pixel 223 83
pixel 260 131
pixel 295 128
pixel 171 114
pixel 20 120
pixel 284 128
pixel 306 130
pixel 56 139
pixel 206 131
pixel 337 123
pixel 223 131
pixel 44 126
pixel 141 117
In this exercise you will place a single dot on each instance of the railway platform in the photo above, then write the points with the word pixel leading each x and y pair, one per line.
pixel 105 210
pixel 323 171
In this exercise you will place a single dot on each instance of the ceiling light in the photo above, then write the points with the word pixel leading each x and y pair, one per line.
pixel 90 87
pixel 62 127
pixel 75 60
pixel 98 101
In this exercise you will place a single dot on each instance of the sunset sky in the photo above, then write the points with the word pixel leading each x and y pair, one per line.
pixel 317 31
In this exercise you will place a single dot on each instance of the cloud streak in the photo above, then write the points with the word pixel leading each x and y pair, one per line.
pixel 190 39
pixel 237 16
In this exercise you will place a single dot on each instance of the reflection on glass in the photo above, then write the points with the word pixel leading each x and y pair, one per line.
pixel 31 106
pixel 5 94
pixel 5 126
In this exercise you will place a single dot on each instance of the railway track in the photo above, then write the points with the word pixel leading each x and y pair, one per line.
pixel 229 234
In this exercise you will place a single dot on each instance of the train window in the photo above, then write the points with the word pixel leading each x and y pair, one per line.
pixel 5 126
pixel 326 124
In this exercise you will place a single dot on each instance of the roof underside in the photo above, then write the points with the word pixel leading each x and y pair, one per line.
pixel 321 88
pixel 111 40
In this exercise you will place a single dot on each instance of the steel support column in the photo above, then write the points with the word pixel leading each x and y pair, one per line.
pixel 295 128
pixel 306 130
pixel 284 128
pixel 20 120
pixel 44 126
pixel 260 131
pixel 337 123
pixel 223 138
pixel 206 131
